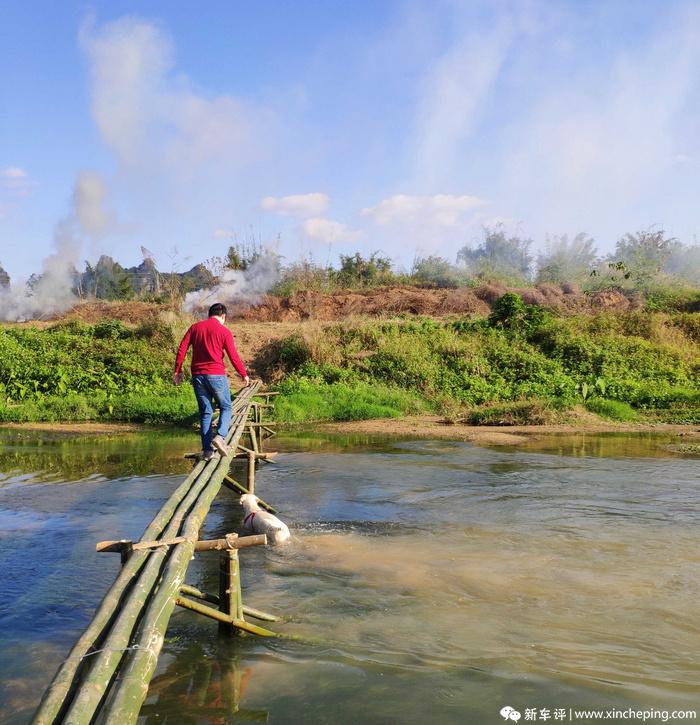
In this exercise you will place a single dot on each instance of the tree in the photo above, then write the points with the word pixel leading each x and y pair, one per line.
pixel 499 256
pixel 355 270
pixel 644 254
pixel 242 255
pixel 436 271
pixel 566 260
pixel 684 262
pixel 4 278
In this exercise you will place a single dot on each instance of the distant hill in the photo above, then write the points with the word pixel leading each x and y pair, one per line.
pixel 108 280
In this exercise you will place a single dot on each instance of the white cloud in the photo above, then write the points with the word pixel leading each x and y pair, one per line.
pixel 599 151
pixel 455 92
pixel 298 205
pixel 441 209
pixel 328 230
pixel 13 172
pixel 223 234
pixel 147 115
pixel 15 182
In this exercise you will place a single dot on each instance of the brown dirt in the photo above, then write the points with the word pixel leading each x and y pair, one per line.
pixel 133 312
pixel 380 302
pixel 392 301
pixel 434 427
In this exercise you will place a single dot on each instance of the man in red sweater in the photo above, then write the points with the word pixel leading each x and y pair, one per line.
pixel 209 339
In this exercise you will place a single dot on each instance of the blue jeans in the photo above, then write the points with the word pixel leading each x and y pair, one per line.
pixel 208 388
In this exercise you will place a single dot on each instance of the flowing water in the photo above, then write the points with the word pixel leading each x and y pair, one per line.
pixel 436 582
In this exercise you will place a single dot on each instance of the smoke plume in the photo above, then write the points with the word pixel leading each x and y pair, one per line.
pixel 238 285
pixel 53 291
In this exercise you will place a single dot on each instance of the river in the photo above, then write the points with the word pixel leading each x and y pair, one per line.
pixel 436 581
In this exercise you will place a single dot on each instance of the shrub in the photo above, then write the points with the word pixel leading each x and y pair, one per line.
pixel 294 352
pixel 111 330
pixel 519 412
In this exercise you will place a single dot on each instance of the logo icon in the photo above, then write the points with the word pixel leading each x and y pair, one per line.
pixel 509 713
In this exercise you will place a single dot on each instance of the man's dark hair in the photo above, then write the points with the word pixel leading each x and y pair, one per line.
pixel 217 310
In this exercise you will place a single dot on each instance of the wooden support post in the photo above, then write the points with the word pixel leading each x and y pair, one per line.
pixel 225 619
pixel 267 457
pixel 191 591
pixel 231 541
pixel 251 473
pixel 253 438
pixel 258 422
pixel 229 589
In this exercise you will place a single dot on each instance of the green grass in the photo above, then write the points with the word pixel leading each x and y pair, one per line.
pixel 308 400
pixel 612 409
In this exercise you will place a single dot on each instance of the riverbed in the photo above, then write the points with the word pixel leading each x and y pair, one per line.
pixel 434 581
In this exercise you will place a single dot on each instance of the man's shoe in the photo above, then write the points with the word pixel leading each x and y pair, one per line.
pixel 220 444
pixel 208 455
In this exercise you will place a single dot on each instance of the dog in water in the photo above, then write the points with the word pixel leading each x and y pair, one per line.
pixel 259 521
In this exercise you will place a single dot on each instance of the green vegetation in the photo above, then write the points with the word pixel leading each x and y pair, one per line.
pixel 305 399
pixel 522 364
pixel 85 372
pixel 612 409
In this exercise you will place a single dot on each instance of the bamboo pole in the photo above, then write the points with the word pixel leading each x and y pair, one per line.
pixel 219 617
pixel 54 697
pixel 251 473
pixel 96 682
pixel 231 541
pixel 259 614
pixel 141 662
pixel 253 438
pixel 57 697
pixel 213 599
pixel 230 602
pixel 198 594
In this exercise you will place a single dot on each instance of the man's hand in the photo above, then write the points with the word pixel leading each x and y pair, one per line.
pixel 246 381
pixel 177 378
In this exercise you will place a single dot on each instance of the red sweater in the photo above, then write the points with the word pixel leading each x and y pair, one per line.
pixel 209 338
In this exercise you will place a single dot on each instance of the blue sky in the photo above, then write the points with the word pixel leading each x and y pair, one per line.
pixel 325 127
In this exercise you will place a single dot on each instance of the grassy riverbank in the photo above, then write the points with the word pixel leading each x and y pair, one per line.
pixel 80 372
pixel 520 365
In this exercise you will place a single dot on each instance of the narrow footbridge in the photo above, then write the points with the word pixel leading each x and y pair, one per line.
pixel 106 675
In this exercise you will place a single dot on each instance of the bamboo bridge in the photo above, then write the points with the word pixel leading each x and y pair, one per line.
pixel 106 675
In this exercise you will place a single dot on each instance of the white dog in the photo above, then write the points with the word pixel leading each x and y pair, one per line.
pixel 260 521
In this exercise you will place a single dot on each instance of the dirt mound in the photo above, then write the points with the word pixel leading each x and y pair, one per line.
pixel 133 312
pixel 384 301
pixel 380 302
pixel 392 301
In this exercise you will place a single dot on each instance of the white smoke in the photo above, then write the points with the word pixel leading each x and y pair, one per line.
pixel 52 292
pixel 238 285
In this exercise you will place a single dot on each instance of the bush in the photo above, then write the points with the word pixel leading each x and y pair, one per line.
pixel 111 330
pixel 294 352
pixel 519 412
